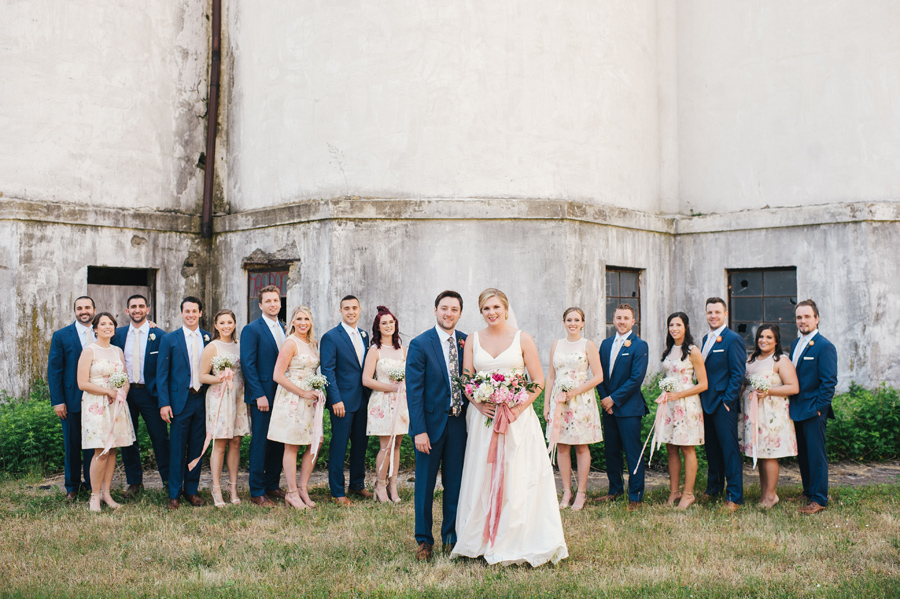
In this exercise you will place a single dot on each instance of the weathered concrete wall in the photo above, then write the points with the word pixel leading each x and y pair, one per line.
pixel 103 103
pixel 787 103
pixel 414 99
pixel 53 257
pixel 846 267
pixel 543 262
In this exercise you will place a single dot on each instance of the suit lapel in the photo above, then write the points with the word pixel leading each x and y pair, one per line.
pixel 74 332
pixel 343 334
pixel 182 347
pixel 438 355
pixel 267 332
pixel 621 349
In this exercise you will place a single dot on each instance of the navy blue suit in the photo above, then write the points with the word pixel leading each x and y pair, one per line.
pixel 62 378
pixel 622 428
pixel 144 402
pixel 810 409
pixel 259 352
pixel 726 365
pixel 344 373
pixel 428 397
pixel 188 427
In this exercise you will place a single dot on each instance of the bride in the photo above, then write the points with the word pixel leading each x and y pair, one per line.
pixel 525 525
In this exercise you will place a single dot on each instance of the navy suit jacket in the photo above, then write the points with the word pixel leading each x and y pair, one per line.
pixel 173 370
pixel 629 370
pixel 817 374
pixel 428 384
pixel 259 352
pixel 151 355
pixel 343 371
pixel 62 368
pixel 726 365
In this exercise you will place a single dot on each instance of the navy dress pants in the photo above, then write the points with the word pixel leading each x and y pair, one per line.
pixel 76 457
pixel 351 428
pixel 812 458
pixel 186 436
pixel 723 453
pixel 447 455
pixel 623 434
pixel 266 456
pixel 141 403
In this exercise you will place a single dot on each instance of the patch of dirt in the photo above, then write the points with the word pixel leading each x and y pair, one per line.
pixel 839 473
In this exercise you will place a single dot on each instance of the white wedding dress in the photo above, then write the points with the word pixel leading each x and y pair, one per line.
pixel 530 528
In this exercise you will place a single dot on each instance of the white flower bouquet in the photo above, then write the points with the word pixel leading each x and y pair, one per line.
pixel 118 379
pixel 668 384
pixel 398 375
pixel 760 383
pixel 221 362
pixel 317 382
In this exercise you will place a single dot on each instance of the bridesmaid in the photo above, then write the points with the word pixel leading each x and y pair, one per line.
pixel 774 434
pixel 105 419
pixel 579 416
pixel 226 413
pixel 388 416
pixel 682 426
pixel 294 412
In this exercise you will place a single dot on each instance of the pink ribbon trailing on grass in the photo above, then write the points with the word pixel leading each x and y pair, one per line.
pixel 555 426
pixel 754 420
pixel 226 377
pixel 654 431
pixel 111 438
pixel 400 397
pixel 497 458
pixel 318 430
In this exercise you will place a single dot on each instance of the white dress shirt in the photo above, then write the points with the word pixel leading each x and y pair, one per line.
pixel 804 341
pixel 275 329
pixel 711 339
pixel 85 334
pixel 617 345
pixel 356 338
pixel 136 375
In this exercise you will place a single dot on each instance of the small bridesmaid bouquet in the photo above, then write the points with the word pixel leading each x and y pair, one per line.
pixel 398 375
pixel 667 385
pixel 118 379
pixel 760 383
pixel 317 382
pixel 221 362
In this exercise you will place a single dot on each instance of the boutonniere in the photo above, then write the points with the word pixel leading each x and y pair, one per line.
pixel 811 342
pixel 362 334
pixel 719 339
pixel 152 336
pixel 462 343
pixel 627 343
pixel 206 338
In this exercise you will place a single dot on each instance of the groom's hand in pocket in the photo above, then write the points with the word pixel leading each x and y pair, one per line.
pixel 423 443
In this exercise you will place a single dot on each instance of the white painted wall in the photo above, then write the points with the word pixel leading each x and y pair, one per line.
pixel 102 102
pixel 787 103
pixel 403 98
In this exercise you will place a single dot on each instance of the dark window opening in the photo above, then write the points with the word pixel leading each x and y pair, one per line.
pixel 258 279
pixel 623 286
pixel 758 296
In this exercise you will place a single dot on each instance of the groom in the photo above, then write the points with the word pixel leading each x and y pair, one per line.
pixel 437 424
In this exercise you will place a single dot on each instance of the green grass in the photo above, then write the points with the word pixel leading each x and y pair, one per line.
pixel 49 548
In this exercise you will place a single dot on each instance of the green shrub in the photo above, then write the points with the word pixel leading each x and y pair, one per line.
pixel 867 428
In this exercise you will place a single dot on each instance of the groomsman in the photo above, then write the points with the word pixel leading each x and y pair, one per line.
pixel 343 353
pixel 182 401
pixel 815 358
pixel 62 374
pixel 261 341
pixel 725 356
pixel 140 342
pixel 437 419
pixel 624 358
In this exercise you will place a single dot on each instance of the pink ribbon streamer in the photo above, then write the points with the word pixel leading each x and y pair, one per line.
pixel 111 438
pixel 400 404
pixel 654 431
pixel 754 421
pixel 226 377
pixel 555 425
pixel 318 427
pixel 497 457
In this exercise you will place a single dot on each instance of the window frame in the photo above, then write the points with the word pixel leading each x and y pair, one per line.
pixel 734 323
pixel 618 270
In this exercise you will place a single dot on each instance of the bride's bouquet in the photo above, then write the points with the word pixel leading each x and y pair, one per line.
pixel 496 387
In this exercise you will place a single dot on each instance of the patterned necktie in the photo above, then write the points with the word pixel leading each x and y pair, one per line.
pixel 195 362
pixel 455 393
pixel 136 358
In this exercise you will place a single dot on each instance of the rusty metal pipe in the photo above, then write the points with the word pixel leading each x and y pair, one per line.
pixel 212 120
